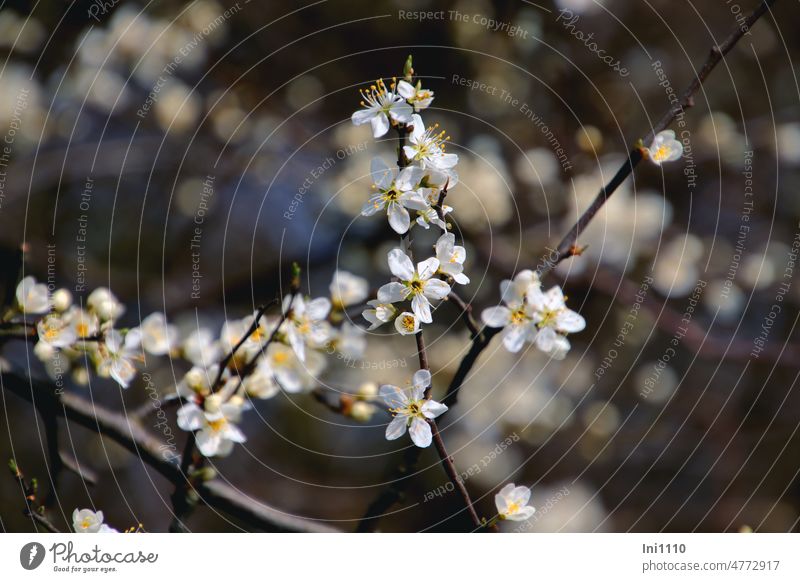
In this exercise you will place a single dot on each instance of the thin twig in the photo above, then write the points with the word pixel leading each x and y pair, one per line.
pixel 567 247
pixel 150 450
pixel 635 156
pixel 466 314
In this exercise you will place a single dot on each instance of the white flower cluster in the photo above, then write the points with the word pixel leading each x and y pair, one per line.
pixel 532 315
pixel 417 187
pixel 285 353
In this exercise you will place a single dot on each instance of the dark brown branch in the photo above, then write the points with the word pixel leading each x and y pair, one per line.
pixel 466 314
pixel 450 467
pixel 132 436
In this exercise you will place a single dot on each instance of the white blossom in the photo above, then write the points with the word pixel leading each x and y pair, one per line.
pixel 347 289
pixel 382 109
pixel 517 315
pixel 416 96
pixel 61 299
pixel 554 320
pixel 158 337
pixel 307 323
pixel 407 323
pixel 215 423
pixel 291 373
pixel 349 341
pixel 411 410
pixel 56 331
pixel 379 313
pixel 427 147
pixel 451 258
pixel 83 323
pixel 201 348
pixel 512 503
pixel 117 355
pixel 395 195
pixel 261 383
pixel 88 521
pixel 33 297
pixel 665 148
pixel 105 304
pixel 415 284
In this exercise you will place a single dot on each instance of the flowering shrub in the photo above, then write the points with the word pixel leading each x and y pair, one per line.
pixel 259 355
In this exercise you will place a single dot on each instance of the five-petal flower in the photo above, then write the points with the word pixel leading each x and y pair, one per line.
pixel 416 284
pixel 411 410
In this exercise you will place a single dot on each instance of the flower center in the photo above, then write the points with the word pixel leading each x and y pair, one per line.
pixel 518 316
pixel 408 323
pixel 416 286
pixel 661 153
pixel 513 508
pixel 217 425
pixel 548 317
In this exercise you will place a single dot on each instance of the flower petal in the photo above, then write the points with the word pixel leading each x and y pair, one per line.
pixel 422 308
pixel 396 428
pixel 400 265
pixel 380 125
pixel 436 289
pixel 432 409
pixel 392 292
pixel 399 219
pixel 393 396
pixel 496 316
pixel 420 433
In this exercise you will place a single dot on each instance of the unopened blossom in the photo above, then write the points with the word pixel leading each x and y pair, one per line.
pixel 105 304
pixel 88 521
pixel 61 300
pixel 554 320
pixel 416 96
pixel 216 426
pixel 517 315
pixel 416 284
pixel 451 258
pixel 56 331
pixel 512 503
pixel 347 289
pixel 382 109
pixel 407 323
pixel 378 313
pixel 307 323
pixel 158 336
pixel 395 195
pixel 32 298
pixel 362 411
pixel 665 148
pixel 117 355
pixel 411 409
pixel 427 147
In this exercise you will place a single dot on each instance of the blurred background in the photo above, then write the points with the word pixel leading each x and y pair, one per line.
pixel 130 125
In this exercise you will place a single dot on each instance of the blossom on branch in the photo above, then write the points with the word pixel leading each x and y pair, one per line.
pixel 382 109
pixel 395 195
pixel 411 410
pixel 88 521
pixel 665 148
pixel 512 503
pixel 416 284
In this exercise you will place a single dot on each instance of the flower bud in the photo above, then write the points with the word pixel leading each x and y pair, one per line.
pixel 62 300
pixel 367 390
pixel 361 411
